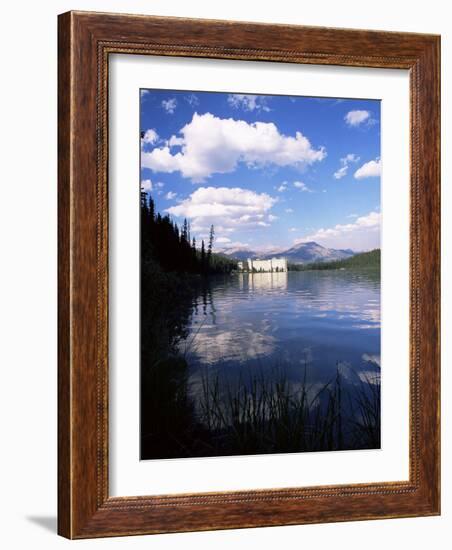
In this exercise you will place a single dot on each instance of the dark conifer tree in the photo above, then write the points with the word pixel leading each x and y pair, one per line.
pixel 203 257
pixel 210 246
pixel 194 255
pixel 144 224
pixel 172 248
pixel 151 209
pixel 185 230
pixel 211 238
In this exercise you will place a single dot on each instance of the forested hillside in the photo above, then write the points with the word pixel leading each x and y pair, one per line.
pixel 174 249
pixel 362 260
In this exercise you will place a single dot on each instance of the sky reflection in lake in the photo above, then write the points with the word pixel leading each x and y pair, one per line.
pixel 313 320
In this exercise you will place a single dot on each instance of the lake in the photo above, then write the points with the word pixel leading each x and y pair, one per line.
pixel 263 363
pixel 304 324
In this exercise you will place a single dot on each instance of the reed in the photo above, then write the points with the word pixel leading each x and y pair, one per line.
pixel 269 415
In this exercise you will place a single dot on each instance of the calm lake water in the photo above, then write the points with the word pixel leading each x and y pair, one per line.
pixel 304 324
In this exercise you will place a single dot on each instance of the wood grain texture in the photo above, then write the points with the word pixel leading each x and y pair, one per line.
pixel 85 42
pixel 64 295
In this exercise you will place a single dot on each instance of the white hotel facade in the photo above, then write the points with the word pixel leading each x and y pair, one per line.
pixel 263 266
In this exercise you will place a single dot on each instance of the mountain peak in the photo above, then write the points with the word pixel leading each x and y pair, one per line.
pixel 301 253
pixel 311 243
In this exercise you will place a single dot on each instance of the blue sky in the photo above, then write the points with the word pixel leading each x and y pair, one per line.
pixel 267 171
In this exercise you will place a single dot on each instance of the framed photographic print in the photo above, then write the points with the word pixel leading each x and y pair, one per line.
pixel 248 275
pixel 251 330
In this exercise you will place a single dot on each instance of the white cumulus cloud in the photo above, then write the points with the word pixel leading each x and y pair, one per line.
pixel 355 118
pixel 150 136
pixel 226 208
pixel 341 172
pixel 146 185
pixel 192 100
pixel 351 157
pixel 169 105
pixel 371 169
pixel 301 186
pixel 345 161
pixel 223 240
pixel 362 234
pixel 170 195
pixel 209 145
pixel 248 102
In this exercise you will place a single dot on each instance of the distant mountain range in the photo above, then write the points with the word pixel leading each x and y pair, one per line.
pixel 302 253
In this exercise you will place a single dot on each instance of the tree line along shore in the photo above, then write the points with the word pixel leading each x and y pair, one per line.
pixel 363 260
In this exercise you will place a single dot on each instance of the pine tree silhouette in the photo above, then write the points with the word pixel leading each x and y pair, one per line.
pixel 174 249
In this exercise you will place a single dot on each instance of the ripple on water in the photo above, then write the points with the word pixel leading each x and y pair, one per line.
pixel 271 318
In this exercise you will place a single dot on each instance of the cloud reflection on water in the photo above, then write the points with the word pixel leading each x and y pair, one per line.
pixel 313 318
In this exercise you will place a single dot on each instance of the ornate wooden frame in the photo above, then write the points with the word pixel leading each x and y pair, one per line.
pixel 85 42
